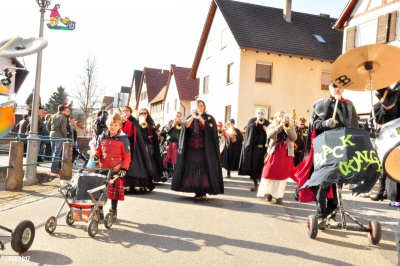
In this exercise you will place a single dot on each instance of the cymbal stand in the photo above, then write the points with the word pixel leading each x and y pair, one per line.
pixel 369 66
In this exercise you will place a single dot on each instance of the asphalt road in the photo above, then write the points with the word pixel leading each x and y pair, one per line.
pixel 166 227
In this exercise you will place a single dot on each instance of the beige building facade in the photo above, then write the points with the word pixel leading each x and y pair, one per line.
pixel 227 75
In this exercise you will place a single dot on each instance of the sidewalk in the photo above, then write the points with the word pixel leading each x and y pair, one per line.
pixel 50 184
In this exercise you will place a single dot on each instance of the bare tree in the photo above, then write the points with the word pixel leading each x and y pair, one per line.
pixel 88 90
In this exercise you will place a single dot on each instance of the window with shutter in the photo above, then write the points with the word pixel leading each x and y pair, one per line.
pixel 392 26
pixel 350 38
pixel 325 79
pixel 264 72
pixel 381 34
pixel 206 80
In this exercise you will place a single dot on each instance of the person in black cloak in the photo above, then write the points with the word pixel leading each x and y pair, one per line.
pixel 140 175
pixel 152 144
pixel 321 120
pixel 231 153
pixel 387 110
pixel 253 151
pixel 198 168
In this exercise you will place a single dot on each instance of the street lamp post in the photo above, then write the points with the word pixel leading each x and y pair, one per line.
pixel 32 151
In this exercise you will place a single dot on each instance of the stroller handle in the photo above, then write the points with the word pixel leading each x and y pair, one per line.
pixel 110 171
pixel 91 191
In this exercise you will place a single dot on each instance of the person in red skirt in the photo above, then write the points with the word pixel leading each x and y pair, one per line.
pixel 170 135
pixel 113 151
pixel 279 162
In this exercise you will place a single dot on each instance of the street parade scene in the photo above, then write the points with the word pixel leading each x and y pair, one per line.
pixel 277 144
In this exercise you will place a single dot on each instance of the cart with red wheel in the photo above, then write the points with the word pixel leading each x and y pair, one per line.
pixel 373 229
pixel 85 196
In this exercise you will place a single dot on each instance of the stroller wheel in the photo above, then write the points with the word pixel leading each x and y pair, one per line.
pixel 312 226
pixel 375 232
pixel 50 225
pixel 68 219
pixel 109 220
pixel 92 228
pixel 23 236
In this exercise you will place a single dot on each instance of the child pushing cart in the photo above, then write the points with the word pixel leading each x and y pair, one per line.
pixel 112 152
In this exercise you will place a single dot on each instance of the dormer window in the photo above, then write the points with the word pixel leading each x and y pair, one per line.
pixel 319 38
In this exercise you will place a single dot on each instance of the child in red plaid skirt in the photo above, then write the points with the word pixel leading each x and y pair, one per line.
pixel 113 151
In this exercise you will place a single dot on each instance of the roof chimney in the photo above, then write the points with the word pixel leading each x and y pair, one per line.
pixel 287 10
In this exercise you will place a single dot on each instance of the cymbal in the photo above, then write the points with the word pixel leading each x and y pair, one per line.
pixel 355 69
pixel 18 47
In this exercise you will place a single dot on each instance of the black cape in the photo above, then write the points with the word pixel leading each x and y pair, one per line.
pixel 141 166
pixel 231 153
pixel 157 165
pixel 245 162
pixel 382 117
pixel 213 161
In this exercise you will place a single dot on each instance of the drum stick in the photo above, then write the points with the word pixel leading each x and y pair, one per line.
pixel 384 96
pixel 113 180
pixel 8 44
pixel 337 97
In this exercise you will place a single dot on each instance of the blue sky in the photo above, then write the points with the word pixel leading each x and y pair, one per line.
pixel 123 35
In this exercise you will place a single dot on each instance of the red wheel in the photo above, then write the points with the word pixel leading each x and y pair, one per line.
pixel 375 232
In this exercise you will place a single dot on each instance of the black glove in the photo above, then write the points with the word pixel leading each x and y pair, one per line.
pixel 122 172
pixel 95 158
pixel 391 96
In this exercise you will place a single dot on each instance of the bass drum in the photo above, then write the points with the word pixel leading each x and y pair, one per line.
pixel 389 134
pixel 391 163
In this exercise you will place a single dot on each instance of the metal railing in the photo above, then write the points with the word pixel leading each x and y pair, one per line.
pixel 18 138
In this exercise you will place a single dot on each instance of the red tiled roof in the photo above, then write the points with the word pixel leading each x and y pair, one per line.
pixel 188 89
pixel 160 96
pixel 155 79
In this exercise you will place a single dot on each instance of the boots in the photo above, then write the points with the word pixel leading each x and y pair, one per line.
pixel 255 188
pixel 114 212
pixel 378 196
pixel 381 191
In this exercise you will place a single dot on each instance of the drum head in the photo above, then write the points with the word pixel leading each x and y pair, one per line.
pixel 391 163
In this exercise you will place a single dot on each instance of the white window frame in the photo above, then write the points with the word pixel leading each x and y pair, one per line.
pixel 209 49
pixel 224 37
pixel 370 27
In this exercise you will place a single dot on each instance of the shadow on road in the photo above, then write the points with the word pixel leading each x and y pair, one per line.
pixel 168 239
pixel 47 258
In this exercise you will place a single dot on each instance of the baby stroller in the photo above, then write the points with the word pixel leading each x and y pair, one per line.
pixel 85 195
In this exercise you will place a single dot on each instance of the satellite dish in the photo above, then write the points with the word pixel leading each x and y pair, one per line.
pixel 18 47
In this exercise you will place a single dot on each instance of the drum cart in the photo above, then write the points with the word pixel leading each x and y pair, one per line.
pixel 374 231
pixel 21 237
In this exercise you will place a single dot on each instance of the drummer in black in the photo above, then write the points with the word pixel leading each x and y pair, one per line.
pixel 386 111
pixel 321 120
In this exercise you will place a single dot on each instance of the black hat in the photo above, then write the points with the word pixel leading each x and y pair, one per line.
pixel 41 107
pixel 232 120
